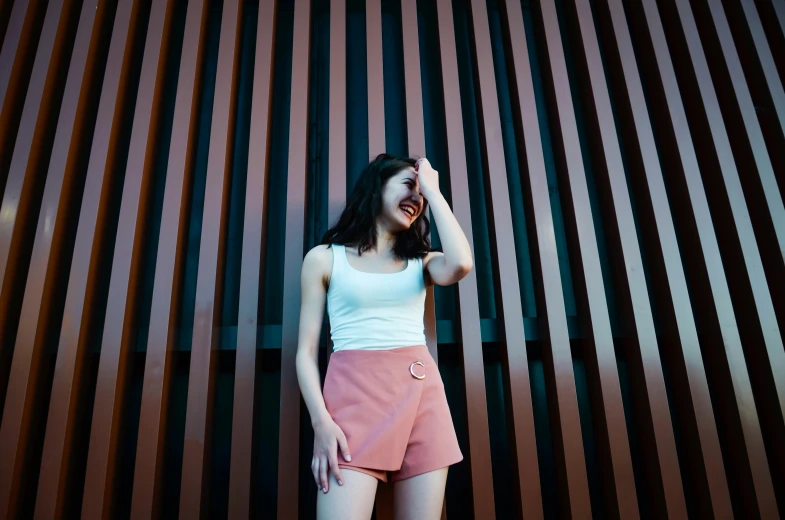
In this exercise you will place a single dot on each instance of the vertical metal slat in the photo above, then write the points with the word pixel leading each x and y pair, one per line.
pixel 288 444
pixel 255 223
pixel 209 281
pixel 68 374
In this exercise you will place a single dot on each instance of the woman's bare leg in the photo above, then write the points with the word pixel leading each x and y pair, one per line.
pixel 352 501
pixel 420 497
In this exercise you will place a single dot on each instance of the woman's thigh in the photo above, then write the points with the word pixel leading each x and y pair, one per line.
pixel 352 501
pixel 420 497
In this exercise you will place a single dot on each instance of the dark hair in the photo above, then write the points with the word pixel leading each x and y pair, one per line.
pixel 357 223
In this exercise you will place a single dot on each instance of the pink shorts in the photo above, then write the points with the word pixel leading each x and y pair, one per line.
pixel 394 419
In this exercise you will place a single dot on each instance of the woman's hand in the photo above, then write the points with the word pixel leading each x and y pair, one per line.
pixel 428 177
pixel 327 437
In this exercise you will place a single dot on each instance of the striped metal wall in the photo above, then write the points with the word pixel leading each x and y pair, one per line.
pixel 618 166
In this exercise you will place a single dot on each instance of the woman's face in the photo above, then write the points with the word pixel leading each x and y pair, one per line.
pixel 402 201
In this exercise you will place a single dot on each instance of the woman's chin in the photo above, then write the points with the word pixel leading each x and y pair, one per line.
pixel 404 225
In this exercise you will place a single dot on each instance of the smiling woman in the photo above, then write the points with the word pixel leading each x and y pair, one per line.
pixel 388 190
pixel 383 403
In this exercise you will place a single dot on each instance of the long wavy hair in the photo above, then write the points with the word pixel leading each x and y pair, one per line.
pixel 357 223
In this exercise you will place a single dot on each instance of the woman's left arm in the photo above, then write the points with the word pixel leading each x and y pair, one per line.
pixel 456 261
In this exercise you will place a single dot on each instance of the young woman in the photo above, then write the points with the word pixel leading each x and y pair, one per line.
pixel 383 413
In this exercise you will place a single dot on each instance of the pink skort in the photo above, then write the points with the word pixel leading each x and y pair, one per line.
pixel 393 420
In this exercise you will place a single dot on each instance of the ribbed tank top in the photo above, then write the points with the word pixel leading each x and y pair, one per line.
pixel 375 311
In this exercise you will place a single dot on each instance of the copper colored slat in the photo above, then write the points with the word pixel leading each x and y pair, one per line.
pixel 198 419
pixel 336 193
pixel 742 392
pixel 416 133
pixel 373 28
pixel 253 251
pixel 479 453
pixel 17 221
pixel 68 375
pixel 601 356
pixel 415 122
pixel 556 355
pixel 337 140
pixel 118 330
pixel 289 438
pixel 169 267
pixel 709 455
pixel 526 477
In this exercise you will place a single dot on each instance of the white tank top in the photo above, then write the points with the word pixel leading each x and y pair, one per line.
pixel 375 311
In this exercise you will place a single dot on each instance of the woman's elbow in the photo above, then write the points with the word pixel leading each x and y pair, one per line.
pixel 464 268
pixel 467 265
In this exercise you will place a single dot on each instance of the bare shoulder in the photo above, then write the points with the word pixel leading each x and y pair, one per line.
pixel 317 264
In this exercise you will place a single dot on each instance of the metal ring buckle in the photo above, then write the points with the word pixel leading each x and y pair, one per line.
pixel 411 369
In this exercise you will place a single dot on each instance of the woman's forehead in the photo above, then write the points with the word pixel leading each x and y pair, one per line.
pixel 407 172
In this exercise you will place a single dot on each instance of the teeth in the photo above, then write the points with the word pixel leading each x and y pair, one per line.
pixel 408 210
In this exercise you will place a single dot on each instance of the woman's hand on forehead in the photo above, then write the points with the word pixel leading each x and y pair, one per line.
pixel 428 177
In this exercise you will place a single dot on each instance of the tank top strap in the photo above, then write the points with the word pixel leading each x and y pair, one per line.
pixel 339 258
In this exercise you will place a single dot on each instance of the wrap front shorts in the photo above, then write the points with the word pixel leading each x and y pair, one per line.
pixel 392 408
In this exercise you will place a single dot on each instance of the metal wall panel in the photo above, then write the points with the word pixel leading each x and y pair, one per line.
pixel 617 351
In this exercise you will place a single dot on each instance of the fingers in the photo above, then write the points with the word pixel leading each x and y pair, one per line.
pixel 336 470
pixel 315 471
pixel 344 447
pixel 323 473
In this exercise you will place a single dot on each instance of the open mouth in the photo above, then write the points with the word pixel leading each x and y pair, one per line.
pixel 410 211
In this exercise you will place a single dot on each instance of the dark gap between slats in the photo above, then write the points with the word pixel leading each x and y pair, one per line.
pixel 395 124
pixel 458 493
pixel 264 473
pixel 271 308
pixel 356 92
pixel 5 15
